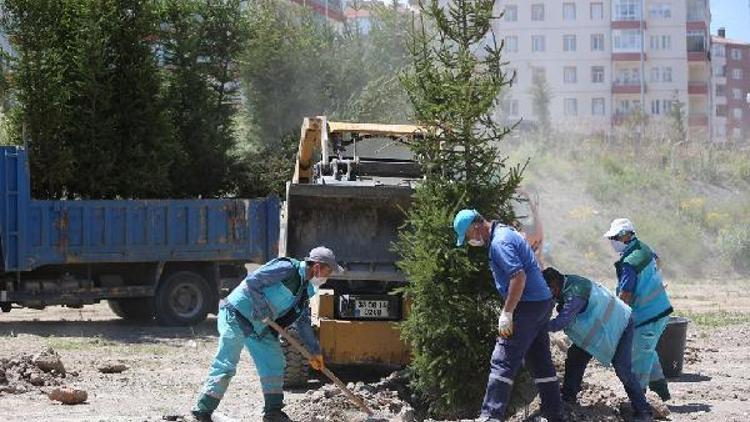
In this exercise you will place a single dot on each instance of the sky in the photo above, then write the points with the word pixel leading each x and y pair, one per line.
pixel 734 15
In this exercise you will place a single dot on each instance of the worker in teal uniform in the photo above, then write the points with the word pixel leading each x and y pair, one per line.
pixel 599 325
pixel 279 290
pixel 640 285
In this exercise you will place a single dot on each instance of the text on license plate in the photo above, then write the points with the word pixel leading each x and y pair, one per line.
pixel 371 308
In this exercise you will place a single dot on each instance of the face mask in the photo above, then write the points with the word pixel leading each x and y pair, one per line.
pixel 476 242
pixel 618 246
pixel 318 281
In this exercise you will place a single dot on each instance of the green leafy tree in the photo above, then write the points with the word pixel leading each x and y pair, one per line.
pixel 89 93
pixel 454 84
pixel 200 43
pixel 541 96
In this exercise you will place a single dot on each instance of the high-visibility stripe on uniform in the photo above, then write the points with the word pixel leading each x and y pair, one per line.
pixel 544 380
pixel 502 378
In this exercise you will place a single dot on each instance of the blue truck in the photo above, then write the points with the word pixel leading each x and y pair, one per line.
pixel 166 259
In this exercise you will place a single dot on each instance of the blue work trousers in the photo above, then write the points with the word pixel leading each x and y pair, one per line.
pixel 578 359
pixel 646 365
pixel 266 353
pixel 529 345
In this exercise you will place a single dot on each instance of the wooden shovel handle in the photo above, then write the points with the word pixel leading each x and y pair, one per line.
pixel 327 372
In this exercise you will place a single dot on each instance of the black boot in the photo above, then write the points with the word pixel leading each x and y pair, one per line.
pixel 661 388
pixel 276 415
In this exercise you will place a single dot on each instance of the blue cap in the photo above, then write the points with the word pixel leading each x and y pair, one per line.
pixel 461 224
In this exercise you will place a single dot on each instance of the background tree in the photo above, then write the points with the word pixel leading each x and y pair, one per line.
pixel 199 45
pixel 454 85
pixel 541 96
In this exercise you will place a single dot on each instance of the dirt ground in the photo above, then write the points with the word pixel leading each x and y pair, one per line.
pixel 166 366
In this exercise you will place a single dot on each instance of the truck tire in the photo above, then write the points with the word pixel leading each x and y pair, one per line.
pixel 297 367
pixel 133 309
pixel 183 298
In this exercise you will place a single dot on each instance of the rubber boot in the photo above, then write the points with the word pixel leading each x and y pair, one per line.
pixel 204 408
pixel 272 408
pixel 661 388
pixel 276 415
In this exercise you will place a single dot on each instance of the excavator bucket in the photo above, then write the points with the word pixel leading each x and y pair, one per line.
pixel 358 222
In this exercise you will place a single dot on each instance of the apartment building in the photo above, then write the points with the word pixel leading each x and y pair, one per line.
pixel 731 88
pixel 605 59
pixel 330 10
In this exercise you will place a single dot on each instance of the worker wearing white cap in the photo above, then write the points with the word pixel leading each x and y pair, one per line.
pixel 279 290
pixel 640 285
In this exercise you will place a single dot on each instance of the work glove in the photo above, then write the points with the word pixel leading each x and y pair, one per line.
pixel 505 324
pixel 316 362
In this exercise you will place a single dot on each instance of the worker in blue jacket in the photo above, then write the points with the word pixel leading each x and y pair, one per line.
pixel 279 290
pixel 640 285
pixel 599 325
pixel 522 324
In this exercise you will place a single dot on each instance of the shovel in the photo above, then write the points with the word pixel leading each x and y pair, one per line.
pixel 300 348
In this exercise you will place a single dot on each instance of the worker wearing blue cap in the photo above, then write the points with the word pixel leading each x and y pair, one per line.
pixel 523 321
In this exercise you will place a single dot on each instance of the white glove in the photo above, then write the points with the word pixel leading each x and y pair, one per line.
pixel 505 324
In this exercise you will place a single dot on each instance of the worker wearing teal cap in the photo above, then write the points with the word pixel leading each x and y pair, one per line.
pixel 523 322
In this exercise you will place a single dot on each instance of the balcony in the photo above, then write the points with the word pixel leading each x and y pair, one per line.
pixel 627 87
pixel 629 24
pixel 698 88
pixel 698 119
pixel 696 26
pixel 627 57
pixel 697 56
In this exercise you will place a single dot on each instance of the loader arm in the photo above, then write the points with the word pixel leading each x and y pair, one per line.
pixel 310 140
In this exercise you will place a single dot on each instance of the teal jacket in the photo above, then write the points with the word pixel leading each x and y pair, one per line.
pixel 598 328
pixel 650 300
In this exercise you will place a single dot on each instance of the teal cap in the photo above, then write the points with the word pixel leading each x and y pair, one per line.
pixel 461 224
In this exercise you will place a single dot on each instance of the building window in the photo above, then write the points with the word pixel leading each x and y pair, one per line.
pixel 570 75
pixel 736 133
pixel 511 44
pixel 737 74
pixel 666 74
pixel 537 12
pixel 597 11
pixel 570 106
pixel 660 42
pixel 597 74
pixel 511 13
pixel 737 93
pixel 660 10
pixel 625 107
pixel 655 74
pixel 597 107
pixel 626 41
pixel 597 42
pixel 721 111
pixel 737 113
pixel 736 54
pixel 720 71
pixel 628 76
pixel 569 43
pixel 510 108
pixel 569 11
pixel 626 10
pixel 696 10
pixel 721 130
pixel 721 90
pixel 661 106
pixel 696 41
pixel 718 50
pixel 537 43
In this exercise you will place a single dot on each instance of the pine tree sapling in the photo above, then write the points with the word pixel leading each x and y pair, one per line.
pixel 453 85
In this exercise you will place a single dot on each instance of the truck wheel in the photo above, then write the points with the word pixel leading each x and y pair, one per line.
pixel 297 367
pixel 133 309
pixel 183 298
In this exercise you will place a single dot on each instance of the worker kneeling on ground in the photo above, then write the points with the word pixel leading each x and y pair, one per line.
pixel 523 322
pixel 279 290
pixel 599 325
pixel 640 285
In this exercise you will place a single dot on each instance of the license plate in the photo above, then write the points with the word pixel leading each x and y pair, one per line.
pixel 371 308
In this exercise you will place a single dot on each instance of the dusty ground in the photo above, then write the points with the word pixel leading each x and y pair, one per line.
pixel 167 365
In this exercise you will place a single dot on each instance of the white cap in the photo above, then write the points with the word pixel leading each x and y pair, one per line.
pixel 618 226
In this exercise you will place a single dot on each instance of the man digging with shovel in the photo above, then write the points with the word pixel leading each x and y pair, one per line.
pixel 279 290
